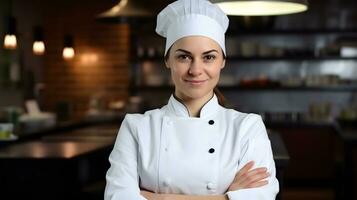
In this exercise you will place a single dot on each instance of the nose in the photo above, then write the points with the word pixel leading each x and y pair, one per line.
pixel 195 68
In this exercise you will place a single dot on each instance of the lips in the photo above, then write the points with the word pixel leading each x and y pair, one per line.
pixel 195 82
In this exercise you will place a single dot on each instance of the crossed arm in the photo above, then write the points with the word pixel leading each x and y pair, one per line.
pixel 245 178
pixel 122 177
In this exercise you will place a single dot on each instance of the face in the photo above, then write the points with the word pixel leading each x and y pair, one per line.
pixel 195 63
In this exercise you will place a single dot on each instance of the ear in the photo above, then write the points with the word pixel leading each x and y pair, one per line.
pixel 223 63
pixel 167 64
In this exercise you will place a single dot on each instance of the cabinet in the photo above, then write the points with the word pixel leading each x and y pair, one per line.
pixel 270 71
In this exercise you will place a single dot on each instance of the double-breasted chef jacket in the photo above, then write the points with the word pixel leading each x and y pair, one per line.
pixel 166 151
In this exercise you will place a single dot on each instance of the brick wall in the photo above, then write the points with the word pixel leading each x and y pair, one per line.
pixel 100 66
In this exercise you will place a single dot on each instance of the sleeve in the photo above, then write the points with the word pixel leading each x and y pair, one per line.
pixel 122 181
pixel 255 145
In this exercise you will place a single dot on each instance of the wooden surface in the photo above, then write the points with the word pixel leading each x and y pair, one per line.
pixel 63 145
pixel 51 150
pixel 69 144
pixel 64 162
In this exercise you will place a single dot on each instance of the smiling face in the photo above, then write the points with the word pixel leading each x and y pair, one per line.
pixel 195 63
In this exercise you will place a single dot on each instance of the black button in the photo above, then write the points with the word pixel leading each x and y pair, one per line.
pixel 211 122
pixel 211 150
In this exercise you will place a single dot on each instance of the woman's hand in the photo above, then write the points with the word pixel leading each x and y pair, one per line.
pixel 151 196
pixel 154 196
pixel 249 178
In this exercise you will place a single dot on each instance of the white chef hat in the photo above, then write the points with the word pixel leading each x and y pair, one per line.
pixel 192 18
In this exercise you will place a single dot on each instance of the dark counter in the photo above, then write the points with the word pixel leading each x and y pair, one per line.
pixel 348 135
pixel 64 160
pixel 57 163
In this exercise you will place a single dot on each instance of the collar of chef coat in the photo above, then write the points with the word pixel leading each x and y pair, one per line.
pixel 178 109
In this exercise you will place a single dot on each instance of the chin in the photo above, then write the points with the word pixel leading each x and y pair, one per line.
pixel 196 93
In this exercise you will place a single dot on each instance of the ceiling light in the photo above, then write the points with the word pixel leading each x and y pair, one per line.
pixel 10 40
pixel 127 8
pixel 38 46
pixel 68 50
pixel 261 7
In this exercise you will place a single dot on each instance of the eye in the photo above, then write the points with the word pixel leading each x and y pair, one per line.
pixel 184 57
pixel 209 57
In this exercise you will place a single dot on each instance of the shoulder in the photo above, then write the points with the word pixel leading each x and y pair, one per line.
pixel 241 117
pixel 133 123
pixel 137 119
pixel 247 124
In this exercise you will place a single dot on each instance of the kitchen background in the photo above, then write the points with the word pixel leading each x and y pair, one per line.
pixel 298 71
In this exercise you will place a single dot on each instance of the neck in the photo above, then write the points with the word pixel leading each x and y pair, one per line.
pixel 194 105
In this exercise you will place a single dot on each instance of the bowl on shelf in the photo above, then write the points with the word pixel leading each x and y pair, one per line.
pixel 38 122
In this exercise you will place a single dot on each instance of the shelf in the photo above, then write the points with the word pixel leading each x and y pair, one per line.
pixel 338 88
pixel 288 58
pixel 298 124
pixel 293 32
pixel 257 58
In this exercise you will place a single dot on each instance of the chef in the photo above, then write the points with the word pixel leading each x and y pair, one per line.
pixel 193 147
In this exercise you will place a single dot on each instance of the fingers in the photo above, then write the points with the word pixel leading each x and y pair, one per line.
pixel 245 169
pixel 254 176
pixel 150 195
pixel 144 193
pixel 250 178
pixel 258 184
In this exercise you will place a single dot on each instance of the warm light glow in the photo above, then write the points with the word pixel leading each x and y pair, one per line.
pixel 116 8
pixel 261 8
pixel 68 53
pixel 69 149
pixel 89 58
pixel 120 6
pixel 10 41
pixel 38 47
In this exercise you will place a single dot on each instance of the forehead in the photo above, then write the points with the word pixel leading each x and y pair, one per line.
pixel 196 44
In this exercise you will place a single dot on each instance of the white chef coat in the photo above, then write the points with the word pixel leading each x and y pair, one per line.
pixel 166 151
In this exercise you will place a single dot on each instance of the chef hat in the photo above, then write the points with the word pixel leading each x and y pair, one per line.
pixel 192 18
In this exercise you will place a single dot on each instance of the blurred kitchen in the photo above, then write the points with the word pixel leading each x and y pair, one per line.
pixel 69 71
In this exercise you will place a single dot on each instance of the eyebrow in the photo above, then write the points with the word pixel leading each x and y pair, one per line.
pixel 206 52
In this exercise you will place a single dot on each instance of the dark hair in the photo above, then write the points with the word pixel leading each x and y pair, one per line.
pixel 221 99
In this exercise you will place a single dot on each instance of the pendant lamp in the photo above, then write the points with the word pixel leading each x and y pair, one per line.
pixel 38 46
pixel 10 40
pixel 68 50
pixel 127 8
pixel 261 7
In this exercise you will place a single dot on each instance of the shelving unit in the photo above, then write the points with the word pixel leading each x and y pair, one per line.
pixel 293 32
pixel 277 55
pixel 289 58
pixel 159 59
pixel 337 88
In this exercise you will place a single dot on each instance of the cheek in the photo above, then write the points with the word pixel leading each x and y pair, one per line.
pixel 175 76
pixel 214 71
pixel 178 71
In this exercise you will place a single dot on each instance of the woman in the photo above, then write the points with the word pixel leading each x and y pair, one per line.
pixel 192 148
